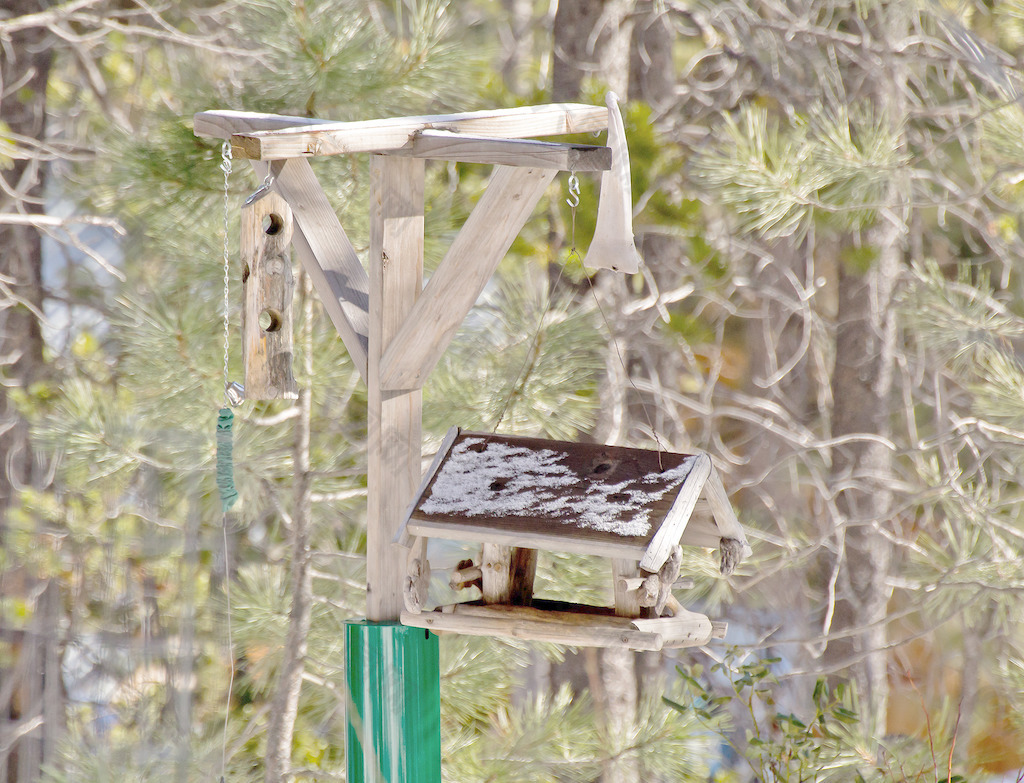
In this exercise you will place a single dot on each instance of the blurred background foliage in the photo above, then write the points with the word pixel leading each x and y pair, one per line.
pixel 807 179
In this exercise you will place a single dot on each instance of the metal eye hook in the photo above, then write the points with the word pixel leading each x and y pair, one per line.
pixel 574 190
pixel 265 187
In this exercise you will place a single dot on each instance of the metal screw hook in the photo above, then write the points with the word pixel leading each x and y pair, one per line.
pixel 265 187
pixel 574 190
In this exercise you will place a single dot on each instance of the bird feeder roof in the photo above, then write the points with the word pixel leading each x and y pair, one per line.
pixel 612 501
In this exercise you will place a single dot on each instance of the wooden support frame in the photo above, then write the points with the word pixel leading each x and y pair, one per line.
pixel 486 236
pixel 328 257
pixel 298 140
pixel 459 148
pixel 394 438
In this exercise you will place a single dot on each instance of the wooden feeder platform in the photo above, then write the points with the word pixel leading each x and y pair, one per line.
pixel 515 495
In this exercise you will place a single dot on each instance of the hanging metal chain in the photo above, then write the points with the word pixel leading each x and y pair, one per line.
pixel 225 166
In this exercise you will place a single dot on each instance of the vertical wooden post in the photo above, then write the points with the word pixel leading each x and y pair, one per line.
pixel 394 718
pixel 396 279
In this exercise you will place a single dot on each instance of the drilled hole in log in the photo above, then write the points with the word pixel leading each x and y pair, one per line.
pixel 270 321
pixel 245 273
pixel 603 467
pixel 619 496
pixel 498 485
pixel 272 224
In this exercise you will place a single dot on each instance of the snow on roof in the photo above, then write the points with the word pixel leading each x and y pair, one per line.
pixel 484 477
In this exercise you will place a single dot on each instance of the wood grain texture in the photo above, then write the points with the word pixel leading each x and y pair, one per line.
pixel 671 530
pixel 328 257
pixel 571 624
pixel 627 595
pixel 554 541
pixel 403 537
pixel 461 148
pixel 222 124
pixel 394 436
pixel 267 289
pixel 391 134
pixel 721 509
pixel 466 269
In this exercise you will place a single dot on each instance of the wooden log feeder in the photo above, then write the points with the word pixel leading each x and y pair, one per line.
pixel 510 496
pixel 516 495
pixel 267 289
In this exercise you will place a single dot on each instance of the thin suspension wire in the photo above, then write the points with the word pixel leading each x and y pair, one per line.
pixel 573 201
pixel 226 168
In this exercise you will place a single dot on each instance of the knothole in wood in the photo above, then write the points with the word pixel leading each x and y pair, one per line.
pixel 270 320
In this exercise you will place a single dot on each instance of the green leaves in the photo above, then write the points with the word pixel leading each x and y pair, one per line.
pixel 824 742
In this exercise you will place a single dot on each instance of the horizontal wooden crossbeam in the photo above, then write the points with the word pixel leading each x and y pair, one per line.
pixel 458 147
pixel 388 135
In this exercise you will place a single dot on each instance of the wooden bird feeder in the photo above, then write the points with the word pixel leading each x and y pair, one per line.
pixel 515 495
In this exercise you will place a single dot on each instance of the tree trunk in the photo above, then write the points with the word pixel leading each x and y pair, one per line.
pixel 25 62
pixel 862 383
pixel 592 38
pixel 862 389
pixel 285 705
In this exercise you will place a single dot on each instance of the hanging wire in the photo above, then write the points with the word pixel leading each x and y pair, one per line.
pixel 225 469
pixel 225 166
pixel 573 201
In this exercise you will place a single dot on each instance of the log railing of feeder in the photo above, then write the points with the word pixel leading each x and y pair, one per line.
pixel 577 625
pixel 267 289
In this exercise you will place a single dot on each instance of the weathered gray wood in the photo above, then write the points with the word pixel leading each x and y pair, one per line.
pixel 319 240
pixel 417 579
pixel 686 629
pixel 628 600
pixel 535 625
pixel 496 582
pixel 507 574
pixel 721 509
pixel 458 147
pixel 328 257
pixel 702 533
pixel 394 133
pixel 453 432
pixel 486 236
pixel 571 624
pixel 672 528
pixel 466 576
pixel 222 124
pixel 552 542
pixel 267 289
pixel 394 427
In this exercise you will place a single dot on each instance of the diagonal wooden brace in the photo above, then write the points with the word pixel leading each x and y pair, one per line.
pixel 495 222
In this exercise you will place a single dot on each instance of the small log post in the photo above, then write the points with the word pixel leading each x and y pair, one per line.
pixel 417 580
pixel 267 289
pixel 507 574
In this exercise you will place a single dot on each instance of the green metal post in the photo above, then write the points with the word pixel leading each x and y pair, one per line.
pixel 394 717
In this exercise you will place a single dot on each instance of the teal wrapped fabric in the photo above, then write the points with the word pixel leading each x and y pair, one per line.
pixel 225 460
